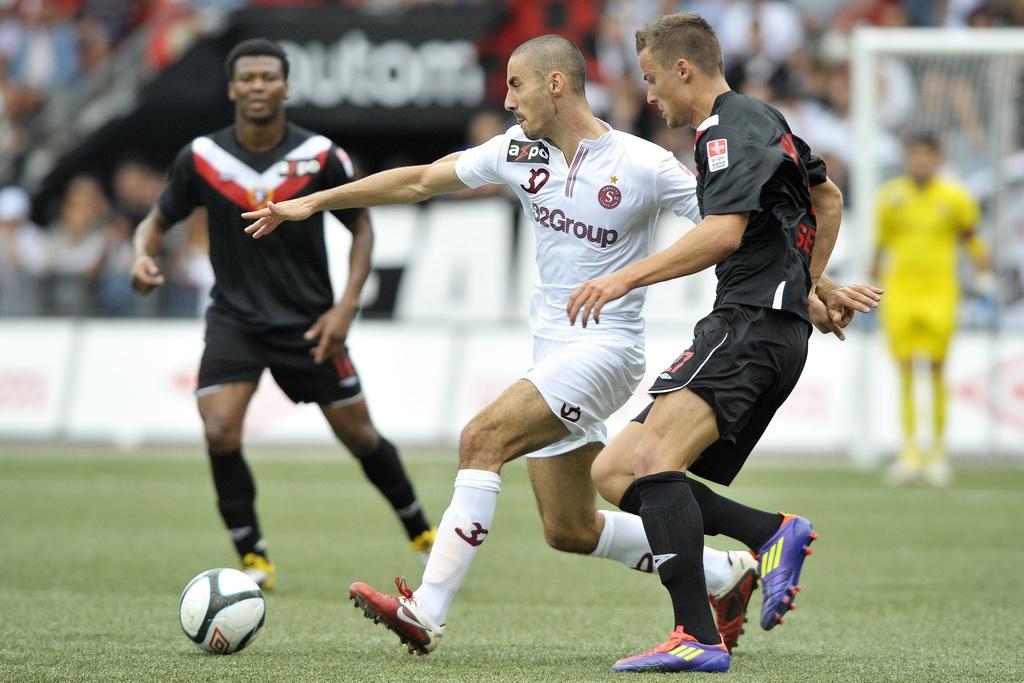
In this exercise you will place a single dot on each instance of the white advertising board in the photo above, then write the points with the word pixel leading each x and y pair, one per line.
pixel 34 361
pixel 133 381
pixel 137 381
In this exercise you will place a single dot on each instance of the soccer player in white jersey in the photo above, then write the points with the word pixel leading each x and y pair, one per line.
pixel 594 195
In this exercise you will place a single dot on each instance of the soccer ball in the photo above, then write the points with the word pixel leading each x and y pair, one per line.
pixel 222 610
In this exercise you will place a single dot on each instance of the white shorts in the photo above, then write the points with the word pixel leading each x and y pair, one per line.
pixel 583 383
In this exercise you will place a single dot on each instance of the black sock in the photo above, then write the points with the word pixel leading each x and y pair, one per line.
pixel 724 516
pixel 236 497
pixel 721 515
pixel 385 471
pixel 674 528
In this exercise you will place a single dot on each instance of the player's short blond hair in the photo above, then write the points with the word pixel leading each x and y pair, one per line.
pixel 682 36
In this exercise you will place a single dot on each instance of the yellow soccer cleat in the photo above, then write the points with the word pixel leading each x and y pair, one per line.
pixel 422 544
pixel 907 468
pixel 937 470
pixel 259 569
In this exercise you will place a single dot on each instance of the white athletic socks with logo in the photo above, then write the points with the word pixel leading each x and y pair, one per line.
pixel 464 526
pixel 717 569
pixel 624 539
pixel 467 521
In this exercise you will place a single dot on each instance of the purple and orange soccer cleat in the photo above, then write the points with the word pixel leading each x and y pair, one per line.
pixel 681 652
pixel 780 561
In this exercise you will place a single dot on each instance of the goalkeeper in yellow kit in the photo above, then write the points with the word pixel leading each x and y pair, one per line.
pixel 922 220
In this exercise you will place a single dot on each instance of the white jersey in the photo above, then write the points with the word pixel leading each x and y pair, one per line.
pixel 591 216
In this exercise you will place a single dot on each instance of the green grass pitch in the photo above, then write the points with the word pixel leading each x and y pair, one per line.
pixel 96 545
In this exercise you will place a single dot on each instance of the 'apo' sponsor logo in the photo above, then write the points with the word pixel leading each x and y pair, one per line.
pixel 356 72
pixel 523 152
pixel 559 222
pixel 298 168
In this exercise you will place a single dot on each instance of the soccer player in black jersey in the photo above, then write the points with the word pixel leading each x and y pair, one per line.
pixel 756 187
pixel 272 304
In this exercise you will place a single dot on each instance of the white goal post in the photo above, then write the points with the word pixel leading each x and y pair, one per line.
pixel 967 86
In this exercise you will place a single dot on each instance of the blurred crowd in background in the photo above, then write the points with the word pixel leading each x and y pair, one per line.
pixel 79 264
pixel 49 46
pixel 796 56
pixel 792 54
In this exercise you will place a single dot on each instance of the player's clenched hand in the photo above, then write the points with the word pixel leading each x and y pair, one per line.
pixel 822 319
pixel 145 275
pixel 590 297
pixel 272 215
pixel 332 329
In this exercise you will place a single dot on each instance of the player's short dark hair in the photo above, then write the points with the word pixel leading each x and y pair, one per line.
pixel 925 138
pixel 682 36
pixel 255 47
pixel 549 53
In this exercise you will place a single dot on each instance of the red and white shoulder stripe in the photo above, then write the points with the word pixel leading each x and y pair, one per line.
pixel 241 184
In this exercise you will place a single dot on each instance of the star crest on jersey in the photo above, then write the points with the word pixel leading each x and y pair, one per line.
pixel 609 196
pixel 614 179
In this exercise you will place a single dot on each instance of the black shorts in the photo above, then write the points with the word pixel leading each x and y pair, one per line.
pixel 235 354
pixel 744 362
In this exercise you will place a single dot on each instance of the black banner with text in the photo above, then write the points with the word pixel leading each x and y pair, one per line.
pixel 422 68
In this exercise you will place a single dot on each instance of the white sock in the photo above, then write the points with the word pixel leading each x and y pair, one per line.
pixel 464 526
pixel 625 540
pixel 717 569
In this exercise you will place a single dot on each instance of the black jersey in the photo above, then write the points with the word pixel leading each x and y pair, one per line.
pixel 281 280
pixel 749 161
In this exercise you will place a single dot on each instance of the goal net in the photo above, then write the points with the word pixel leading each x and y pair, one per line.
pixel 967 88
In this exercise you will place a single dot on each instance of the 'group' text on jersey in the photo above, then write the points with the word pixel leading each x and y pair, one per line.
pixel 591 215
pixel 281 280
pixel 750 162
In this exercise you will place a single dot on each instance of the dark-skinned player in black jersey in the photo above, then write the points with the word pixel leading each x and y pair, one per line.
pixel 756 184
pixel 272 305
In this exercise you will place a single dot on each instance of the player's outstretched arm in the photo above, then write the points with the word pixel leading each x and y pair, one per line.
pixel 706 244
pixel 827 200
pixel 405 185
pixel 149 237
